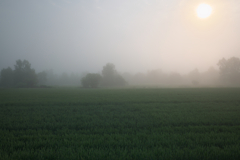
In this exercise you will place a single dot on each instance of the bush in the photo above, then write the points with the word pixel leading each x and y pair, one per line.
pixel 91 80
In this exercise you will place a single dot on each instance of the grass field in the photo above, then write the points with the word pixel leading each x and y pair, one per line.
pixel 58 123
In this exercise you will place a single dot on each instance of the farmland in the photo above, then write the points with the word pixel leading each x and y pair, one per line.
pixel 73 123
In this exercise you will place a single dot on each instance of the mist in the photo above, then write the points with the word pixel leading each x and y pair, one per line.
pixel 138 36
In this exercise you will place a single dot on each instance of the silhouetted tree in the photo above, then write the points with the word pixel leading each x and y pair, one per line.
pixel 24 75
pixel 91 80
pixel 6 79
pixel 111 77
pixel 108 73
pixel 230 70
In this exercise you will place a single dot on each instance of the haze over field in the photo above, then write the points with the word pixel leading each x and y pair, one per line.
pixel 135 35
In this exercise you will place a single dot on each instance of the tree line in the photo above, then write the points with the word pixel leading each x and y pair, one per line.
pixel 227 74
pixel 23 75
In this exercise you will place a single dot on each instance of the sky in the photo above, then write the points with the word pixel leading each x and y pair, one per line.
pixel 135 35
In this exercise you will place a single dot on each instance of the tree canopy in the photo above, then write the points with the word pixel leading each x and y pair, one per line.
pixel 22 75
pixel 91 80
pixel 111 77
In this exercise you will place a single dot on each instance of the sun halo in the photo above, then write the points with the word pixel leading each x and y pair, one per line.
pixel 204 11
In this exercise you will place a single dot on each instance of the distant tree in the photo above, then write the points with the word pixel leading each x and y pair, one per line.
pixel 230 70
pixel 6 79
pixel 111 77
pixel 108 73
pixel 91 80
pixel 24 75
pixel 42 78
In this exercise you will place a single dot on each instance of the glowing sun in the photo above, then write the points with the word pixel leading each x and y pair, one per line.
pixel 204 10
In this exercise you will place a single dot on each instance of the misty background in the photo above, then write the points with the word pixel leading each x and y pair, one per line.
pixel 142 38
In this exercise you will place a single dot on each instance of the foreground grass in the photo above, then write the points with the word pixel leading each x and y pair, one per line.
pixel 120 124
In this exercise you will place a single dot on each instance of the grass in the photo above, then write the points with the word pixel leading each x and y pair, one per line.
pixel 120 123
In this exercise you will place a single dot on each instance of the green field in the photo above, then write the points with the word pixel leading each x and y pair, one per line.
pixel 58 123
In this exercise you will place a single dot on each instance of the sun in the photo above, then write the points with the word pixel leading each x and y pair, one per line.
pixel 204 10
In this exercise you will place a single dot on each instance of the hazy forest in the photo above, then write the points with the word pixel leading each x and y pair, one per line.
pixel 23 75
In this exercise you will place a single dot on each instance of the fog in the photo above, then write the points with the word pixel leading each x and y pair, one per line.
pixel 138 36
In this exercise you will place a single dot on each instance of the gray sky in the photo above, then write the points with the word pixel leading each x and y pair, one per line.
pixel 135 35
